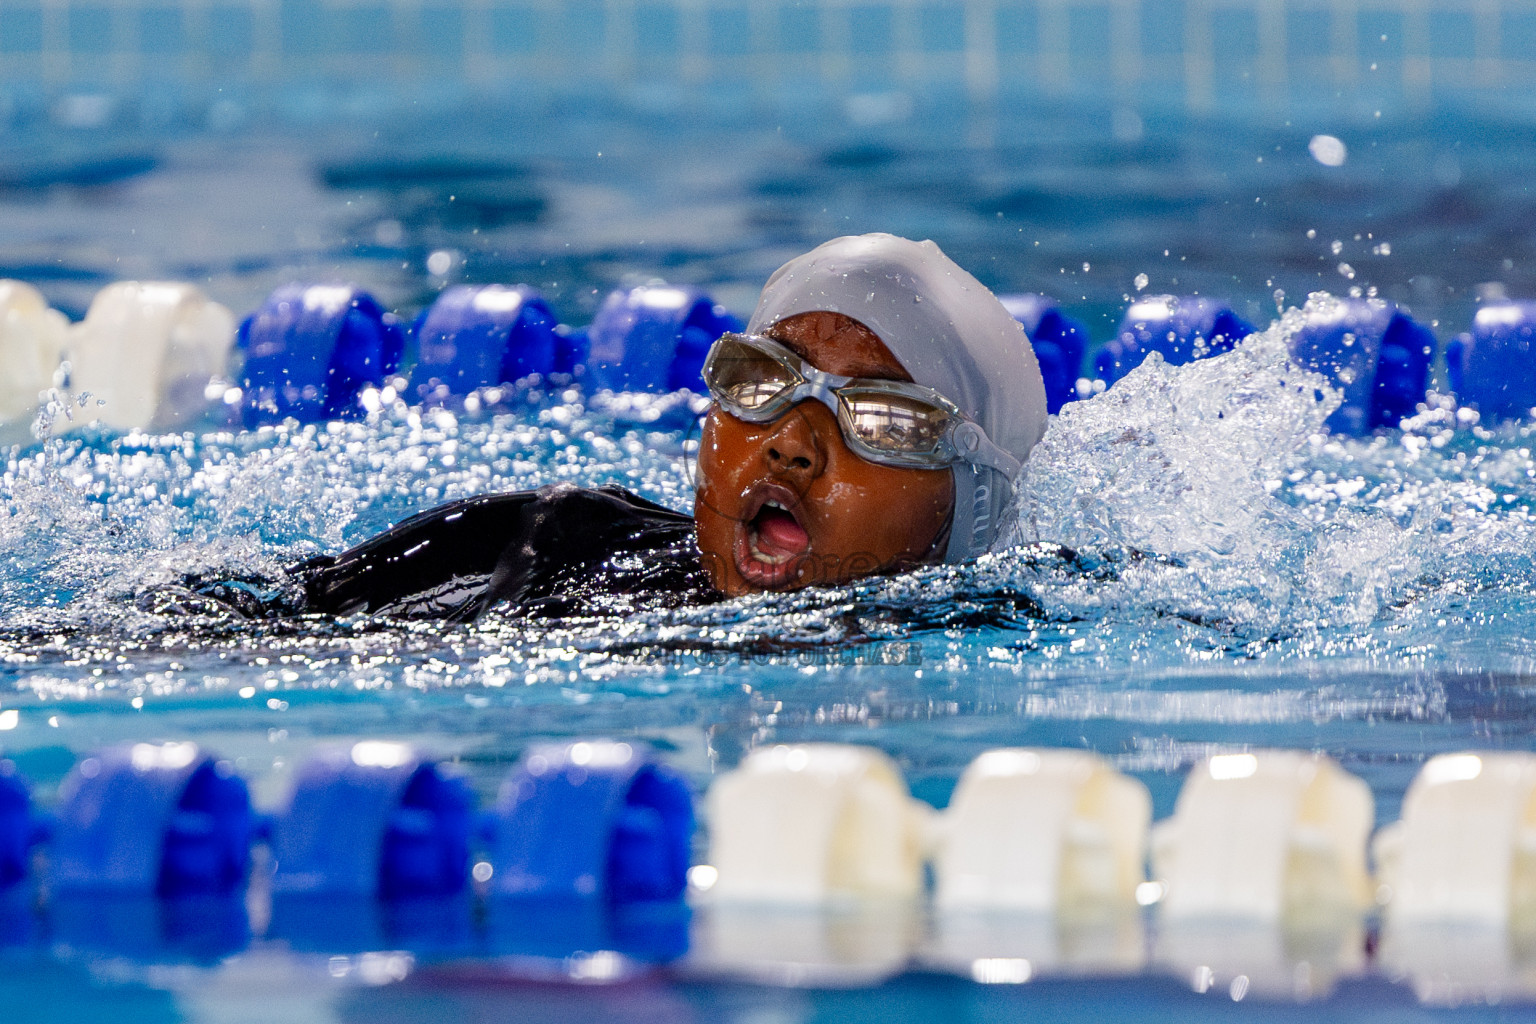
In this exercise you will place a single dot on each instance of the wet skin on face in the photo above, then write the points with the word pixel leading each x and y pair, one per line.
pixel 788 504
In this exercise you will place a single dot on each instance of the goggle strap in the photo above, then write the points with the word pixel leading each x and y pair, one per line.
pixel 962 523
pixel 974 446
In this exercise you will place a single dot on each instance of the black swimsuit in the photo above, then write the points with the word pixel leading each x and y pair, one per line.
pixel 559 551
pixel 556 553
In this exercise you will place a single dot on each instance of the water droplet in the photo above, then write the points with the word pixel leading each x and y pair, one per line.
pixel 1328 150
pixel 1140 281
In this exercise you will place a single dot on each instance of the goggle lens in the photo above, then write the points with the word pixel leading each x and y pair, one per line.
pixel 747 377
pixel 894 424
pixel 750 380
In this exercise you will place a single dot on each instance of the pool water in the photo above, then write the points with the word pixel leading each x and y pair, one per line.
pixel 1236 577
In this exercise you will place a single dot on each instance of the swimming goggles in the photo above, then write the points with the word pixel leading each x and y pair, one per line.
pixel 896 423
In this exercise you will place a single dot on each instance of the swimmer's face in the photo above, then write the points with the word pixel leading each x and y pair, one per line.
pixel 788 504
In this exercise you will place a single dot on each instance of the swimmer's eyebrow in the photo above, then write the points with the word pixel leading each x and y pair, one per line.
pixel 868 371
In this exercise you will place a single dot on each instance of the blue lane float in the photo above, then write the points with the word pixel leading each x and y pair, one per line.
pixel 1492 368
pixel 1372 351
pixel 17 830
pixel 18 922
pixel 556 929
pixel 202 930
pixel 603 838
pixel 1180 328
pixel 654 338
pixel 311 348
pixel 595 820
pixel 165 819
pixel 1059 343
pixel 482 336
pixel 374 820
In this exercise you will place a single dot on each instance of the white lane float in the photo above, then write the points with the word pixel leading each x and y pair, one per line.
pixel 1003 947
pixel 1458 879
pixel 815 824
pixel 1261 874
pixel 1274 959
pixel 1266 835
pixel 1036 863
pixel 146 352
pixel 1050 831
pixel 847 945
pixel 1456 963
pixel 1465 846
pixel 32 338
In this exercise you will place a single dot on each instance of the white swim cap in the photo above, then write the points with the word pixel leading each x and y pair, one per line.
pixel 949 332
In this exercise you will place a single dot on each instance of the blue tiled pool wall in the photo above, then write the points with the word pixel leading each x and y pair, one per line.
pixel 1199 54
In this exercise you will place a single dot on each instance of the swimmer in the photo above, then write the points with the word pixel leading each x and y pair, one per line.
pixel 872 417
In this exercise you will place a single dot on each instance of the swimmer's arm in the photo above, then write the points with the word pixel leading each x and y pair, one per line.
pixel 459 559
pixel 575 530
pixel 426 566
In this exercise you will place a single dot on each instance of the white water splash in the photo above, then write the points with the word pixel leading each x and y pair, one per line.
pixel 1180 460
pixel 1263 529
pixel 1223 466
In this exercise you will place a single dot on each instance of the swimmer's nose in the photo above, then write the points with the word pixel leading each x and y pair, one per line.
pixel 792 449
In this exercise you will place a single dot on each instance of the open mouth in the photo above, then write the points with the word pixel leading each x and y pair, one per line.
pixel 771 545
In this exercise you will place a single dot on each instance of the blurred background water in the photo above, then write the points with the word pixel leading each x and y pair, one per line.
pixel 1244 578
pixel 1061 146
